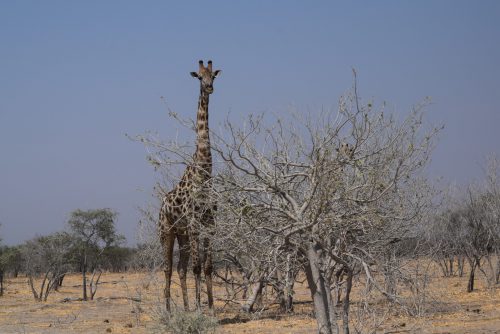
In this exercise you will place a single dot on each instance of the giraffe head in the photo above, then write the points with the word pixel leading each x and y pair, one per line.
pixel 206 77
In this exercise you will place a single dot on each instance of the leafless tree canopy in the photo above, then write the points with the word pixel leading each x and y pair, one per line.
pixel 46 258
pixel 326 194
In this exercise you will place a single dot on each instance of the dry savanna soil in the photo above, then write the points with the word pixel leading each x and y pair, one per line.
pixel 131 302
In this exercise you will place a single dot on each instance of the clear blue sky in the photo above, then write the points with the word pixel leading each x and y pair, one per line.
pixel 76 76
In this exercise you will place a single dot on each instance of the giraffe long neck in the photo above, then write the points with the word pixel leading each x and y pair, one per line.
pixel 203 155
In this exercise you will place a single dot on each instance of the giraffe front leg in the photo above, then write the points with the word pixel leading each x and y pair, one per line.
pixel 182 267
pixel 195 255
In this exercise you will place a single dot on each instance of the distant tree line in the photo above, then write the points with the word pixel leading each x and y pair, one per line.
pixel 464 234
pixel 90 245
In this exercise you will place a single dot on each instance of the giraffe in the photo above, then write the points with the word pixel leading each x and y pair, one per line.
pixel 187 209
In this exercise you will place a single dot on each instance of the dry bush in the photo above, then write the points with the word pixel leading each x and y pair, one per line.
pixel 178 321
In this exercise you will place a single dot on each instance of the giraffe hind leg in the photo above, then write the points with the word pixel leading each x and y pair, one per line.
pixel 208 270
pixel 167 240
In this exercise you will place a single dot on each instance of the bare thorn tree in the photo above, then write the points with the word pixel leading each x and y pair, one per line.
pixel 319 193
pixel 46 258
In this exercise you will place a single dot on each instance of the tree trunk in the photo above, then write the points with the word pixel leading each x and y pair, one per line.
pixel 32 286
pixel 52 284
pixel 84 277
pixel 60 281
pixel 229 294
pixel 443 264
pixel 285 292
pixel 497 274
pixel 93 284
pixel 246 283
pixel 256 291
pixel 470 284
pixel 390 279
pixel 1 282
pixel 339 275
pixel 319 291
pixel 331 305
pixel 345 310
pixel 45 278
pixel 460 265
pixel 286 298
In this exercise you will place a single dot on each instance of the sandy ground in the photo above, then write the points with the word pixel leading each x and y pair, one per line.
pixel 115 311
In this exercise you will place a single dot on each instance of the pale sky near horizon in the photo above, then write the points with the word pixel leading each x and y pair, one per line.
pixel 77 76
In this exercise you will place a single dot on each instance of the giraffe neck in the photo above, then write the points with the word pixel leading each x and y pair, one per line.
pixel 203 155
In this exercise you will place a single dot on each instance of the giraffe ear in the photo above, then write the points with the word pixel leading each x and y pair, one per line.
pixel 216 73
pixel 195 75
